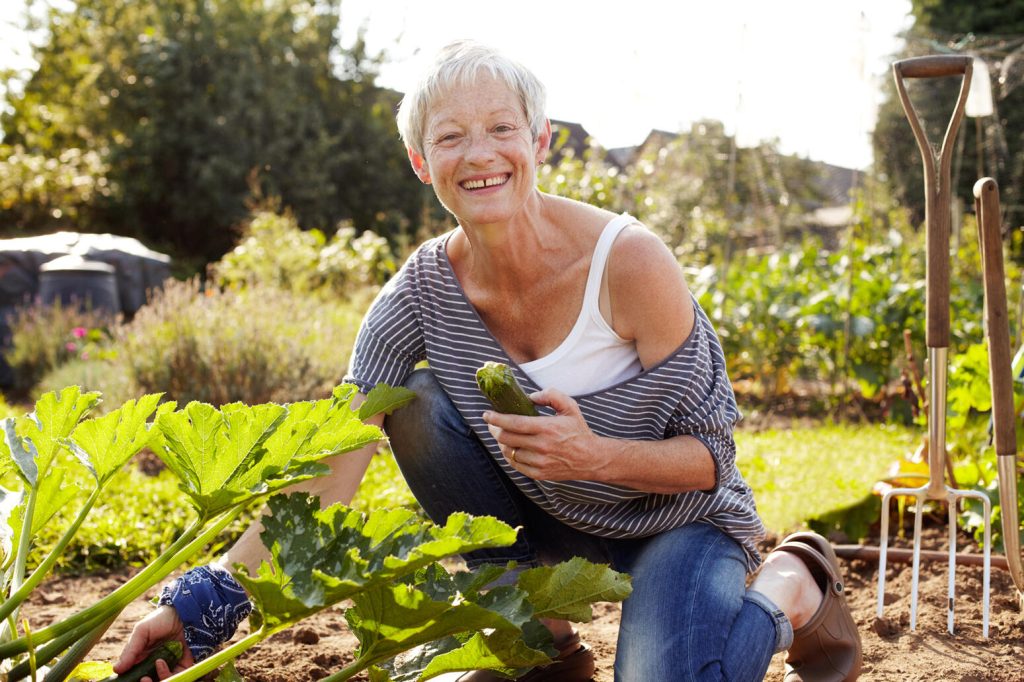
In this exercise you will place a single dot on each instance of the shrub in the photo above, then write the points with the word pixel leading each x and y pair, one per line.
pixel 257 344
pixel 274 251
pixel 44 337
pixel 109 375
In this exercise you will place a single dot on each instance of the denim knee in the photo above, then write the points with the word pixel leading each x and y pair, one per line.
pixel 427 422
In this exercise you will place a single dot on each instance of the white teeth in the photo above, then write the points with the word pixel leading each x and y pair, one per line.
pixel 489 182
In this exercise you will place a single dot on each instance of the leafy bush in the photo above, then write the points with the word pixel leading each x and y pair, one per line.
pixel 838 317
pixel 36 189
pixel 258 344
pixel 109 375
pixel 274 251
pixel 44 337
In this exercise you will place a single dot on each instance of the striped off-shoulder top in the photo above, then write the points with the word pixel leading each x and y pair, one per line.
pixel 423 314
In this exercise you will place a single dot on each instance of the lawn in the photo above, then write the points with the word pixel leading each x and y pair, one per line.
pixel 801 473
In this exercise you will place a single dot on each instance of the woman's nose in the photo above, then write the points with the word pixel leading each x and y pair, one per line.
pixel 480 147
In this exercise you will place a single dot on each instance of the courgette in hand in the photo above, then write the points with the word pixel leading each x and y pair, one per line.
pixel 170 652
pixel 499 385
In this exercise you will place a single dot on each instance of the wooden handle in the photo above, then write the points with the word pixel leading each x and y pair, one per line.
pixel 986 204
pixel 937 272
pixel 933 66
pixel 936 183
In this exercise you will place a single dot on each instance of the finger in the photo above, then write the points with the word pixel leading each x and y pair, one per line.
pixel 163 671
pixel 513 422
pixel 135 650
pixel 561 403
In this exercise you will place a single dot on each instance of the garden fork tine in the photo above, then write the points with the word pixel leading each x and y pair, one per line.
pixel 986 204
pixel 937 219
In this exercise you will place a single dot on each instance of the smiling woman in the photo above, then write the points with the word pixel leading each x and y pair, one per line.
pixel 631 461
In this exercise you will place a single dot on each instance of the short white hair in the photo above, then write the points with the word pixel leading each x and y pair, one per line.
pixel 459 63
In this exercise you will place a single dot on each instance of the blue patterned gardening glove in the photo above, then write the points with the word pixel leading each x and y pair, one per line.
pixel 210 603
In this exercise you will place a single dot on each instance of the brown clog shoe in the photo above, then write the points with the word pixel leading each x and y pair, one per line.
pixel 826 648
pixel 575 663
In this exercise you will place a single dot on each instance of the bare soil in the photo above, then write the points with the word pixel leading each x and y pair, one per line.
pixel 323 644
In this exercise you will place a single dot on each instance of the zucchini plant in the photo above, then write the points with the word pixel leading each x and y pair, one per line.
pixel 386 562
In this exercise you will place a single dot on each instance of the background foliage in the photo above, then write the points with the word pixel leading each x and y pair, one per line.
pixel 241 135
pixel 993 145
pixel 160 119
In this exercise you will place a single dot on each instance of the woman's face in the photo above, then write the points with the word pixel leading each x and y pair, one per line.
pixel 479 152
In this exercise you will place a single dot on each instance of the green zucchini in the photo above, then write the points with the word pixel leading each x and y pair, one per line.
pixel 170 652
pixel 499 385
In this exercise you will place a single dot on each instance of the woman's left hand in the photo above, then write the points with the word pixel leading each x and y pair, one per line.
pixel 557 448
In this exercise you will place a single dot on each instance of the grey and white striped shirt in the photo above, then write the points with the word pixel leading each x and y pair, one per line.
pixel 423 314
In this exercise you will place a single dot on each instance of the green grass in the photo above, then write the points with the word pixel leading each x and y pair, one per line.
pixel 801 473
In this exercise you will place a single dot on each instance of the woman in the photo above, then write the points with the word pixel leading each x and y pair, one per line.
pixel 632 461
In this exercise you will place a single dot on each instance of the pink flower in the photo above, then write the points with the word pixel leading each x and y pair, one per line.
pixel 71 346
pixel 79 332
pixel 85 355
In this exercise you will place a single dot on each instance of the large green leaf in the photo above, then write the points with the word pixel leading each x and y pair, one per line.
pixel 225 457
pixel 54 494
pixel 568 589
pixel 390 619
pixel 104 444
pixel 499 651
pixel 384 399
pixel 321 556
pixel 10 500
pixel 22 452
pixel 55 416
pixel 315 429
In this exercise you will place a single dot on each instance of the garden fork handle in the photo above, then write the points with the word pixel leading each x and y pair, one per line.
pixel 986 204
pixel 990 239
pixel 936 183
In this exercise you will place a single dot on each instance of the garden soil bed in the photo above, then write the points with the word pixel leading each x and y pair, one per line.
pixel 891 651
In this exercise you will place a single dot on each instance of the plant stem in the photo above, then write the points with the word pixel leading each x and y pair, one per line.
pixel 62 669
pixel 50 651
pixel 123 595
pixel 25 541
pixel 21 593
pixel 213 662
pixel 7 630
pixel 44 654
pixel 350 670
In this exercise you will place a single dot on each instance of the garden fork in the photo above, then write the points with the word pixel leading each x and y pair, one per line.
pixel 937 219
pixel 1004 432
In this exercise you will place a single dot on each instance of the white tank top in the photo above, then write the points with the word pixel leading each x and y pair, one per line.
pixel 592 356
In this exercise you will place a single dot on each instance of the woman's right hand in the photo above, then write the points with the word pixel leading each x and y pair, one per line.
pixel 160 626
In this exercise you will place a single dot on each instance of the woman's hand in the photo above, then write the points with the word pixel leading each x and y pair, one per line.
pixel 158 627
pixel 558 448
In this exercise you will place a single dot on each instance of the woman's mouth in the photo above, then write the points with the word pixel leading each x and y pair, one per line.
pixel 483 183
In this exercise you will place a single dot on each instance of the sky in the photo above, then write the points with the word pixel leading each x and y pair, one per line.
pixel 805 72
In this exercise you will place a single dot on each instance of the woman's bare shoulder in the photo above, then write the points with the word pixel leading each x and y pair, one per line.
pixel 578 217
pixel 650 300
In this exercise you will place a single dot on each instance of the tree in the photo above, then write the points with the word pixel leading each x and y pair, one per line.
pixel 992 146
pixel 703 193
pixel 194 106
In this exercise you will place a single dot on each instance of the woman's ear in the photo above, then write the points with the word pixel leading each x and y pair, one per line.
pixel 419 165
pixel 544 142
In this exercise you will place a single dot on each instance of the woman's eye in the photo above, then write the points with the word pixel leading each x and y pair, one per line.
pixel 504 128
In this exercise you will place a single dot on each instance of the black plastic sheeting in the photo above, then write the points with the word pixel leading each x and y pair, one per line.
pixel 137 270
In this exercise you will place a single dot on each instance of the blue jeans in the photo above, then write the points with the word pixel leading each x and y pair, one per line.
pixel 690 616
